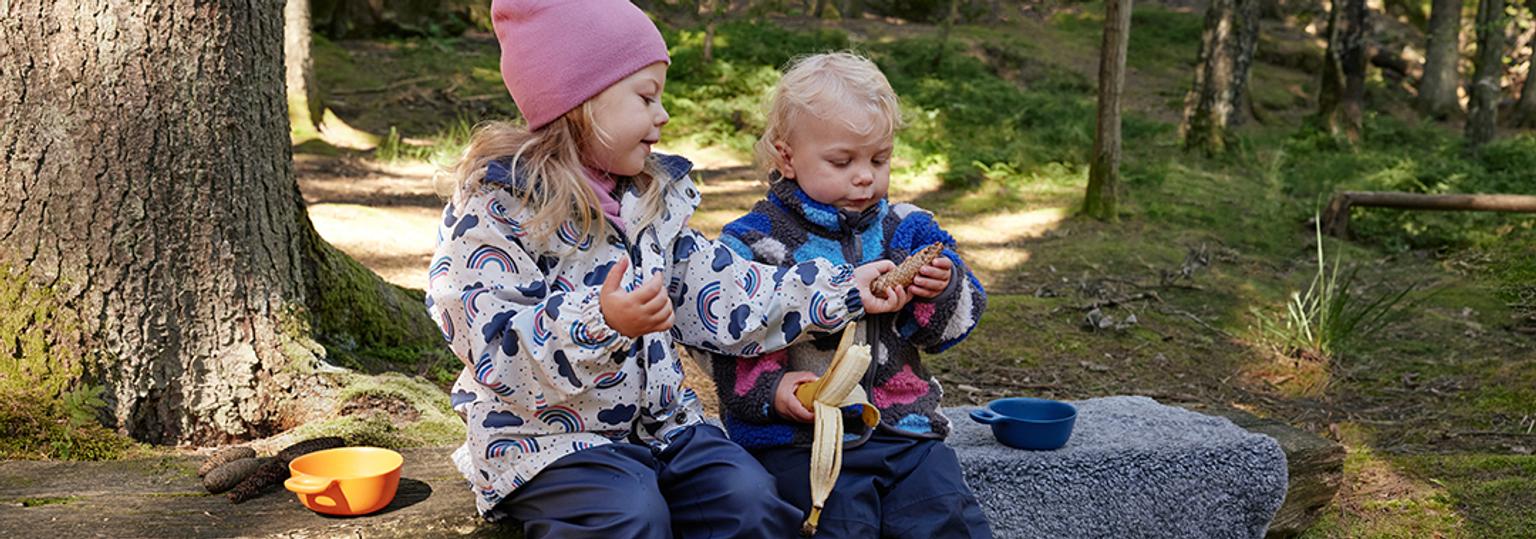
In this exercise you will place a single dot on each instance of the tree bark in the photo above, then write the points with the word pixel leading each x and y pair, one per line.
pixel 1343 86
pixel 1104 174
pixel 147 178
pixel 949 26
pixel 1227 47
pixel 1525 110
pixel 304 105
pixel 1483 111
pixel 821 5
pixel 710 15
pixel 1437 89
pixel 853 9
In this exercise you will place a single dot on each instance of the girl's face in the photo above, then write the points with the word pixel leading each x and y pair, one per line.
pixel 837 165
pixel 627 119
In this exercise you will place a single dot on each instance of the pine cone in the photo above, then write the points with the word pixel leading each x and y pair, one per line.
pixel 225 456
pixel 271 472
pixel 906 271
pixel 227 476
pixel 309 446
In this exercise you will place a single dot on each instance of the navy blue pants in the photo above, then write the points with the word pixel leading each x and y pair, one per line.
pixel 892 486
pixel 701 485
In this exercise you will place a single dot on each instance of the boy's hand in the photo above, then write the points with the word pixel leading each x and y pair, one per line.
pixel 932 279
pixel 895 298
pixel 645 310
pixel 786 403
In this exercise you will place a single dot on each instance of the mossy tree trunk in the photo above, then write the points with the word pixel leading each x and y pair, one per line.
pixel 304 104
pixel 1483 111
pixel 1437 88
pixel 1104 174
pixel 1341 100
pixel 1227 45
pixel 147 181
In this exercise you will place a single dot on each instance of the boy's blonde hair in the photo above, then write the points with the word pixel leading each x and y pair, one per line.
pixel 826 87
pixel 551 161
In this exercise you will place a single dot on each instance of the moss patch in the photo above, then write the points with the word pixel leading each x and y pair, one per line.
pixel 39 502
pixel 427 418
pixel 46 411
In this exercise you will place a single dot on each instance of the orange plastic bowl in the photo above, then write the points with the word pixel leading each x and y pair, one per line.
pixel 347 480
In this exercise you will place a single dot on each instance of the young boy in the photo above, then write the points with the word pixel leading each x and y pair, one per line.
pixel 828 144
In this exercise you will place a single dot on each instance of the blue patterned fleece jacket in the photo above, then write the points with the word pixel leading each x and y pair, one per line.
pixel 545 376
pixel 789 227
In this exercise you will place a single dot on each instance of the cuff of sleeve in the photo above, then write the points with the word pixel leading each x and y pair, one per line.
pixel 955 276
pixel 770 381
pixel 592 331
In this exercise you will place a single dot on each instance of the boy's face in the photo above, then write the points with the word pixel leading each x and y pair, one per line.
pixel 627 120
pixel 836 165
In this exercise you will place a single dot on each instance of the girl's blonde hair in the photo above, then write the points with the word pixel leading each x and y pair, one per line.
pixel 548 173
pixel 828 87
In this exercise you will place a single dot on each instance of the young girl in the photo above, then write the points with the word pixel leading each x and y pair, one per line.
pixel 828 144
pixel 566 270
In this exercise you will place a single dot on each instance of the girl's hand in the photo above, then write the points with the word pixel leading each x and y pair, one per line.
pixel 895 298
pixel 786 403
pixel 645 310
pixel 932 279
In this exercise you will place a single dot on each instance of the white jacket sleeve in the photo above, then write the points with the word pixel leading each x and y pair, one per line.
pixel 730 304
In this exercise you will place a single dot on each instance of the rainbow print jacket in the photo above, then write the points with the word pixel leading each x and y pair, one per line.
pixel 546 377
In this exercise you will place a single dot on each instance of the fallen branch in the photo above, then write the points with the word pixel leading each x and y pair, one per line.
pixel 1336 216
pixel 1492 433
pixel 1202 323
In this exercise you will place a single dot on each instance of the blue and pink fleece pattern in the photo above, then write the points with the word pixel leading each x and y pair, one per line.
pixel 788 228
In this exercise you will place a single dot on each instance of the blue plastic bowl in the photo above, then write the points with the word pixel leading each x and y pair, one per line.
pixel 1026 423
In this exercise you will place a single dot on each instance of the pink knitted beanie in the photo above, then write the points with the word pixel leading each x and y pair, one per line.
pixel 556 54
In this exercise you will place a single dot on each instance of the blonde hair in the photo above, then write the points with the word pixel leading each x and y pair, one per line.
pixel 551 161
pixel 827 87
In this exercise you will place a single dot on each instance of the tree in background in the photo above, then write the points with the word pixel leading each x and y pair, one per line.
pixel 1227 45
pixel 150 187
pixel 853 9
pixel 1104 173
pixel 949 26
pixel 1524 114
pixel 1437 88
pixel 1483 111
pixel 1342 94
pixel 711 14
pixel 305 108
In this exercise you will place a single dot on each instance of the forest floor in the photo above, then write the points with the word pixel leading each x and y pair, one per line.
pixel 1437 410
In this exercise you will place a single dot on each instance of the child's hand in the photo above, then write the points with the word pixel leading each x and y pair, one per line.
pixel 786 403
pixel 932 279
pixel 645 310
pixel 895 298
